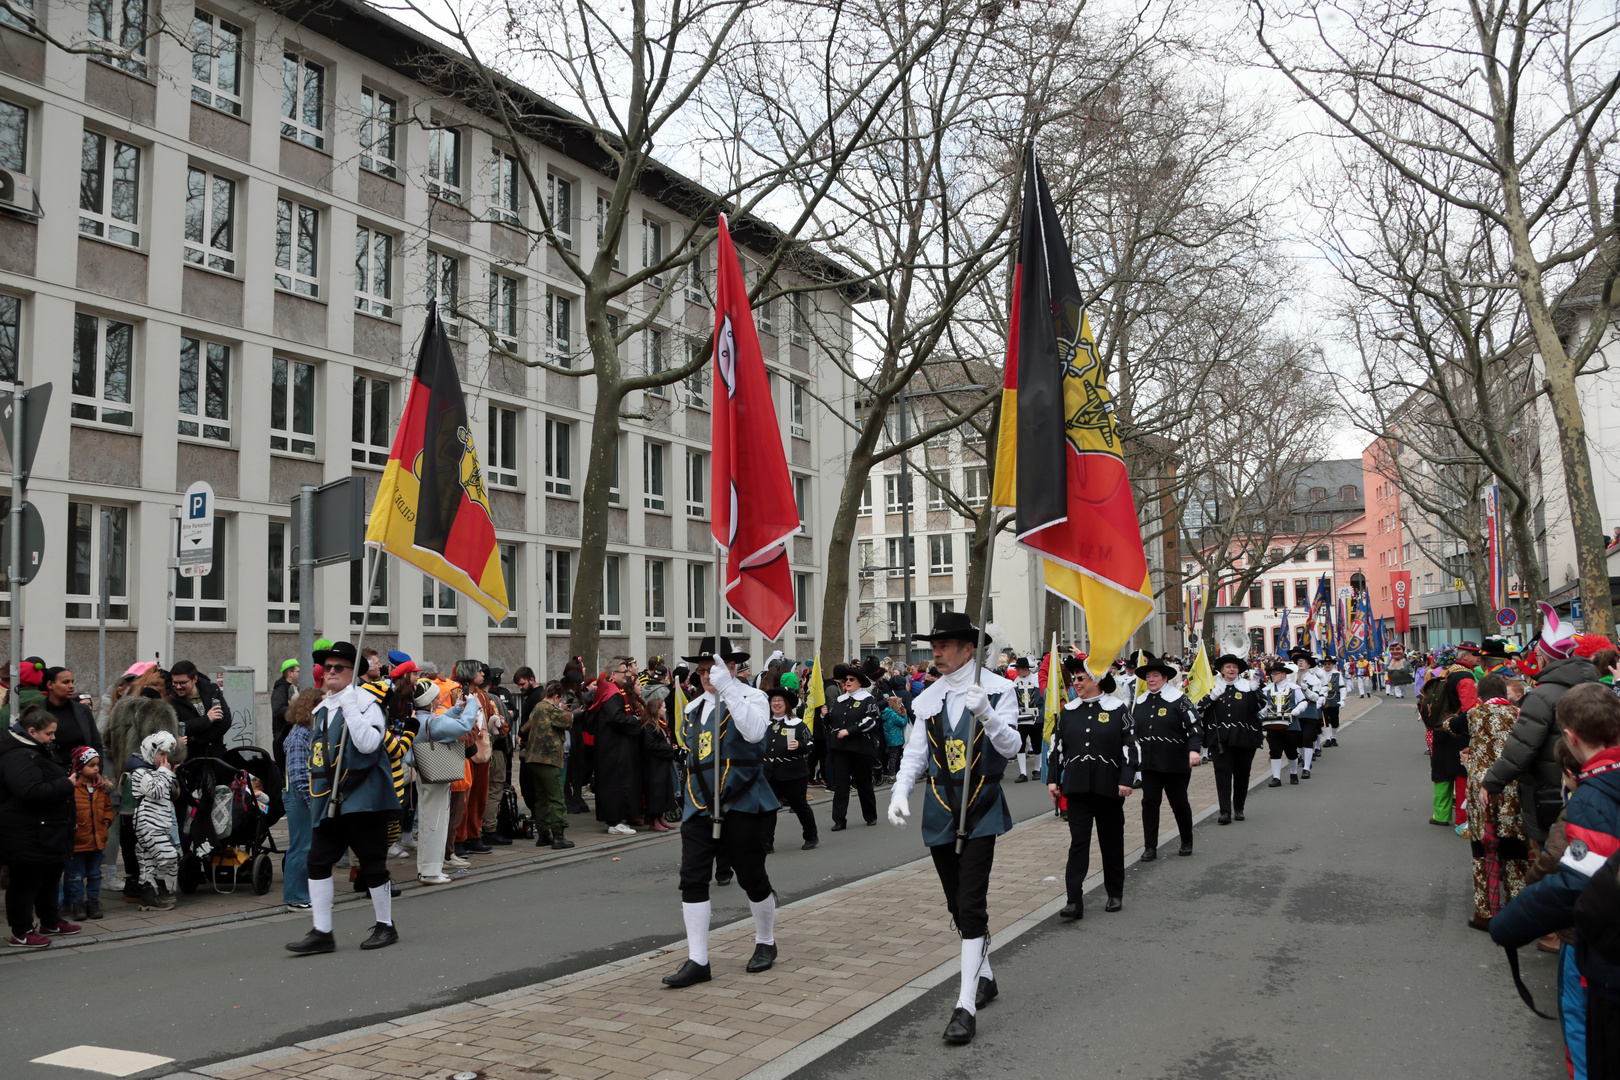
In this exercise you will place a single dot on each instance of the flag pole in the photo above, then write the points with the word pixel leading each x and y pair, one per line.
pixel 715 813
pixel 365 610
pixel 983 655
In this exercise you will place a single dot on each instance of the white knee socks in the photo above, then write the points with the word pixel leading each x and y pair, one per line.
pixel 973 956
pixel 1276 768
pixel 382 902
pixel 697 930
pixel 1309 754
pixel 320 903
pixel 1022 771
pixel 764 920
pixel 1293 767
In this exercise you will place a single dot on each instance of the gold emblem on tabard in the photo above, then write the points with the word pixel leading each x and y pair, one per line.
pixel 705 741
pixel 317 756
pixel 955 755
pixel 1164 712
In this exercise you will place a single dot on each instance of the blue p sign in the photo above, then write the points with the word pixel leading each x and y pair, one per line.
pixel 197 505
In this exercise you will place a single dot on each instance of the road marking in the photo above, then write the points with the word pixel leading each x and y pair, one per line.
pixel 103 1059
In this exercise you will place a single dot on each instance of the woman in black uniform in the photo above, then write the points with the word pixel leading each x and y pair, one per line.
pixel 1167 733
pixel 854 726
pixel 788 746
pixel 1091 763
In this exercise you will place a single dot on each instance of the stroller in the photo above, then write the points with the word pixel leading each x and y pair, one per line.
pixel 224 834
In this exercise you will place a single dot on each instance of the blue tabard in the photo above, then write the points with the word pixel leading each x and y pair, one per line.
pixel 743 787
pixel 1312 711
pixel 988 814
pixel 367 782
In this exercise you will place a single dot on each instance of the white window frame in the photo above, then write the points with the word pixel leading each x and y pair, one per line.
pixel 697 598
pixel 801 499
pixel 697 383
pixel 281 595
pixel 15 157
pixel 444 276
pixel 444 164
pixel 654 475
pixel 378 132
pixel 298 272
pixel 891 494
pixel 210 244
pixel 652 358
pixel 24 22
pixel 303 110
pixel 440 605
pixel 559 457
pixel 210 378
pixel 504 201
pixel 897 614
pixel 370 445
pixel 697 468
pixel 603 203
pixel 797 325
pixel 505 434
pixel 292 440
pixel 612 618
pixel 371 268
pixel 509 555
pixel 109 21
pixel 216 62
pixel 655 595
pixel 503 309
pixel 615 477
pixel 117 168
pixel 764 315
pixel 801 605
pixel 894 549
pixel 975 485
pixel 559 329
pixel 941 554
pixel 698 289
pixel 936 496
pixel 559 588
pixel 11 308
pixel 562 224
pixel 652 247
pixel 105 395
pixel 734 623
pixel 865 557
pixel 863 508
pixel 80 604
pixel 796 408
pixel 380 616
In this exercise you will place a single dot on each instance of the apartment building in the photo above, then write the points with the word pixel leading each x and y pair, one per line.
pixel 223 267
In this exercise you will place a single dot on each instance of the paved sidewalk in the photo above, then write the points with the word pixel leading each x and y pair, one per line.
pixel 842 951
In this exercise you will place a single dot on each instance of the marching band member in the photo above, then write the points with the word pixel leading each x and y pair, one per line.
pixel 1028 690
pixel 1232 734
pixel 1337 687
pixel 1091 762
pixel 1308 677
pixel 1279 718
pixel 1167 734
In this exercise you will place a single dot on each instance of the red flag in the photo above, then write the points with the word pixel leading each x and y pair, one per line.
pixel 1400 584
pixel 754 512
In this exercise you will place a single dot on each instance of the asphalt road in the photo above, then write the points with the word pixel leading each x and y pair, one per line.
pixel 208 995
pixel 1322 938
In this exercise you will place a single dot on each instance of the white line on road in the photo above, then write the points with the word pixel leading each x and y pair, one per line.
pixel 103 1059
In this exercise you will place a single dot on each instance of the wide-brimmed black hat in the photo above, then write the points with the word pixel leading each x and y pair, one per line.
pixel 1230 658
pixel 1022 661
pixel 1301 654
pixel 850 671
pixel 1276 668
pixel 1146 662
pixel 952 626
pixel 783 692
pixel 1496 647
pixel 706 651
pixel 340 650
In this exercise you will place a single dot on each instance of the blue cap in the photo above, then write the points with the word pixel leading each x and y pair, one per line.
pixel 396 657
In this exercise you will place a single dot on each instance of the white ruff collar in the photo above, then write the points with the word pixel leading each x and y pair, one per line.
pixel 928 703
pixel 860 695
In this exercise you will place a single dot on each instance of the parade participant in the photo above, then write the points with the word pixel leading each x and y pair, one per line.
pixel 1399 674
pixel 854 731
pixel 1232 734
pixel 1167 734
pixel 1311 682
pixel 1028 690
pixel 1336 689
pixel 746 805
pixel 352 798
pixel 788 747
pixel 965 731
pixel 1279 719
pixel 1450 726
pixel 1092 761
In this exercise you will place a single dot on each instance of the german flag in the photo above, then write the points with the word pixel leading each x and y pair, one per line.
pixel 1059 464
pixel 432 508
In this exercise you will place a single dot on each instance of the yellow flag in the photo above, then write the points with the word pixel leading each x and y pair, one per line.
pixel 815 696
pixel 1054 690
pixel 679 726
pixel 1200 681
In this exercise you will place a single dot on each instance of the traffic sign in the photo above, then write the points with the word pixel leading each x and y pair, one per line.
pixel 197 531
pixel 33 542
pixel 1575 609
pixel 1507 617
pixel 36 401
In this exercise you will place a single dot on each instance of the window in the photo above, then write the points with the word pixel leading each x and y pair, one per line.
pixel 10 337
pixel 90 536
pixel 20 15
pixel 698 288
pixel 612 615
pixel 372 431
pixel 1279 594
pixel 205 389
pixel 798 329
pixel 503 309
pixel 697 383
pixel 615 488
pixel 109 189
pixel 801 499
pixel 373 272
pixel 975 486
pixel 103 361
pixel 696 477
pixel 358 569
pixel 652 355
pixel 560 209
pixel 443 279
pixel 298 241
pixel 697 598
pixel 891 494
pixel 796 408
pixel 1255 597
pixel 936 608
pixel 502 448
pixel 655 596
pixel 282 591
pixel 865 556
pixel 210 220
pixel 602 207
pixel 1318 522
pixel 1356 551
pixel 734 623
pixel 379 113
pixel 1324 553
pixel 899 626
pixel 559 475
pixel 864 509
pixel 901 558
pixel 936 496
pixel 1302 593
pixel 216 62
pixel 763 316
pixel 292 406
pixel 940 560
pixel 652 247
pixel 559 317
pixel 303 101
pixel 438 604
pixel 801 604
pixel 503 187
pixel 121 23
pixel 652 475
pixel 559 589
pixel 13 136
pixel 444 164
pixel 202 599
pixel 509 558
pixel 1348 493
pixel 1318 494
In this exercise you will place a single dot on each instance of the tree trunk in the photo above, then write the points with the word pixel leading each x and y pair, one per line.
pixel 1585 520
pixel 835 599
pixel 1052 620
pixel 585 627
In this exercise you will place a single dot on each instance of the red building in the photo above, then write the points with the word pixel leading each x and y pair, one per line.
pixel 1384 531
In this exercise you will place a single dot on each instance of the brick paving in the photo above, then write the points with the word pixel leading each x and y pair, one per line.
pixel 841 951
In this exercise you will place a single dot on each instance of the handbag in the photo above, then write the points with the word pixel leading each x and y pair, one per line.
pixel 439 763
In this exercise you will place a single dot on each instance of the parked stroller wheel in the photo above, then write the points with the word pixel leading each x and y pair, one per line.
pixel 263 871
pixel 190 875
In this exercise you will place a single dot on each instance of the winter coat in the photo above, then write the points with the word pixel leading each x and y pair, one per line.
pixel 28 695
pixel 1450 725
pixel 657 770
pixel 95 813
pixel 545 735
pixel 36 802
pixel 859 715
pixel 1546 862
pixel 75 727
pixel 894 728
pixel 1527 755
pixel 204 737
pixel 618 761
pixel 1166 728
pixel 128 723
pixel 1488 727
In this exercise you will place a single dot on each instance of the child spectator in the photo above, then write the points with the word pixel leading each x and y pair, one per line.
pixel 157 834
pixel 92 800
pixel 894 736
pixel 1589 715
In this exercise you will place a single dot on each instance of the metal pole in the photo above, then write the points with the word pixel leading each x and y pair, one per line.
pixel 174 587
pixel 14 556
pixel 907 623
pixel 101 600
pixel 981 655
pixel 715 813
pixel 365 611
pixel 306 585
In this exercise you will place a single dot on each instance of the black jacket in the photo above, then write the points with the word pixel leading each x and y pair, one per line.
pixel 862 718
pixel 657 770
pixel 1232 717
pixel 618 762
pixel 780 762
pixel 1450 727
pixel 1093 749
pixel 204 737
pixel 1166 729
pixel 1528 753
pixel 37 813
pixel 75 727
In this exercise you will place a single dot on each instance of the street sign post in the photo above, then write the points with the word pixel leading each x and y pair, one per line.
pixel 334 531
pixel 23 414
pixel 1507 617
pixel 197 531
pixel 33 542
pixel 35 400
pixel 1575 609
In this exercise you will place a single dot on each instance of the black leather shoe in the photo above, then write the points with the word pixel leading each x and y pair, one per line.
pixel 1022 779
pixel 1186 848
pixel 869 824
pixel 382 935
pixel 1274 782
pixel 688 974
pixel 1237 815
pixel 987 992
pixel 1149 854
pixel 1072 911
pixel 723 879
pixel 764 956
pixel 1306 774
pixel 542 839
pixel 1293 778
pixel 959 1032
pixel 497 839
pixel 1113 904
pixel 839 826
pixel 316 941
pixel 810 844
pixel 1224 819
pixel 559 842
pixel 478 847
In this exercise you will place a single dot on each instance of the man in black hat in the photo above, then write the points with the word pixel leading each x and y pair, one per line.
pixel 788 747
pixel 1313 684
pixel 1232 734
pixel 854 728
pixel 1028 690
pixel 1091 764
pixel 745 799
pixel 965 732
pixel 1167 733
pixel 1281 705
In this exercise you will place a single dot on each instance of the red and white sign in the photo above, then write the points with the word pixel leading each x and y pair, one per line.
pixel 1400 587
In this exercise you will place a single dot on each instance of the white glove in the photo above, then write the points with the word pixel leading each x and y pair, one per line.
pixel 899 810
pixel 977 701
